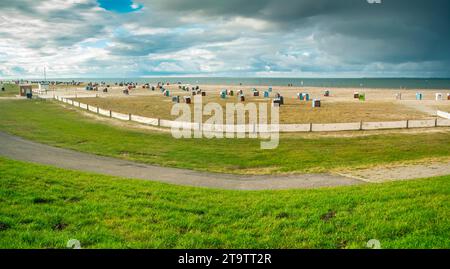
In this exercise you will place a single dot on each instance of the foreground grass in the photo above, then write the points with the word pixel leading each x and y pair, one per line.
pixel 44 207
pixel 10 90
pixel 49 123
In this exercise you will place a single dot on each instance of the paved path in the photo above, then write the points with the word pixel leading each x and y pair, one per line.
pixel 19 149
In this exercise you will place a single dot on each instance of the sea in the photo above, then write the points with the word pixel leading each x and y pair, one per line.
pixel 388 83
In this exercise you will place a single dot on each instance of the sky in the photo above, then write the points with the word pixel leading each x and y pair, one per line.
pixel 224 38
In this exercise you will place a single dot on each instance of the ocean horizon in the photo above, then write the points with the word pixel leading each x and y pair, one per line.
pixel 391 83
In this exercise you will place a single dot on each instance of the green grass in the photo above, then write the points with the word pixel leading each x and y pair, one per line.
pixel 44 207
pixel 48 122
pixel 10 90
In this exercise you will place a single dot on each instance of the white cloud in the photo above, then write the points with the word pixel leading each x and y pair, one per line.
pixel 262 38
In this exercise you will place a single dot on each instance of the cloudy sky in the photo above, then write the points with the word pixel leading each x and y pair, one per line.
pixel 253 38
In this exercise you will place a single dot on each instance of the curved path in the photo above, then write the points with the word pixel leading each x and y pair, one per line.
pixel 17 148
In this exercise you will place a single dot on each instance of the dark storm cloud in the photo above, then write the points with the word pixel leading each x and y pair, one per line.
pixel 393 31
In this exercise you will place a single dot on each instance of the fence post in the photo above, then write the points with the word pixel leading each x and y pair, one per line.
pixel 361 125
pixel 159 122
pixel 310 127
pixel 110 114
pixel 436 122
pixel 129 116
pixel 98 110
pixel 87 105
pixel 407 124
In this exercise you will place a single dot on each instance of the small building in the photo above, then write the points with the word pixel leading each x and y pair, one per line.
pixel 25 90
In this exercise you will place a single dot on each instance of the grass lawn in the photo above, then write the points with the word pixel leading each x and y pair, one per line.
pixel 44 207
pixel 10 90
pixel 48 122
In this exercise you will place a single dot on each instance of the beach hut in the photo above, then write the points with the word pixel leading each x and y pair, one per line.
pixel 439 97
pixel 26 90
pixel 306 96
pixel 255 93
pixel 448 96
pixel 187 99
pixel 356 95
pixel 270 89
pixel 327 93
pixel 362 97
pixel 223 94
pixel 242 98
pixel 303 96
pixel 231 93
pixel 278 101
pixel 266 94
pixel 176 99
pixel 316 103
pixel 203 93
pixel 419 96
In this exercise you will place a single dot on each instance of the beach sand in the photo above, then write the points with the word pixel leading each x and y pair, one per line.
pixel 340 106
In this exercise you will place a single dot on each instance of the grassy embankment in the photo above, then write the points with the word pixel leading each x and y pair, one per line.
pixel 44 207
pixel 49 123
